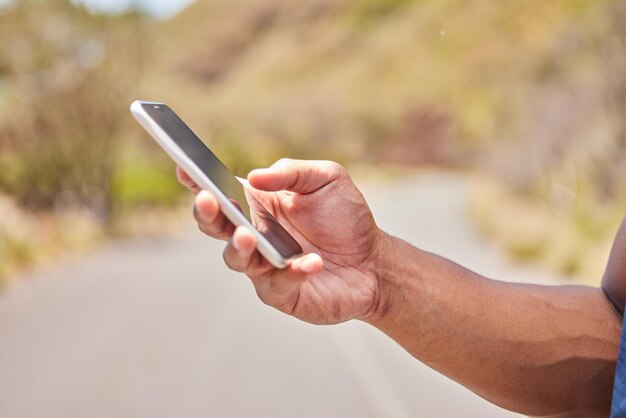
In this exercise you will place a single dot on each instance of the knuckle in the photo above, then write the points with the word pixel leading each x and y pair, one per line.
pixel 205 229
pixel 283 162
pixel 196 212
pixel 334 167
pixel 264 293
pixel 227 258
pixel 268 294
pixel 212 231
pixel 262 296
pixel 232 260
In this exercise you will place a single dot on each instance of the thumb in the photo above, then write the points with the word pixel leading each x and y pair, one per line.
pixel 300 176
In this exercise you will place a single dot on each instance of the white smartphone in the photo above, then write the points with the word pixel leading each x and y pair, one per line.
pixel 237 203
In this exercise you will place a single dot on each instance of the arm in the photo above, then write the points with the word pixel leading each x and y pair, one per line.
pixel 537 350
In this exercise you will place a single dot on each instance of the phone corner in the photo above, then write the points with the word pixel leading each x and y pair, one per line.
pixel 135 106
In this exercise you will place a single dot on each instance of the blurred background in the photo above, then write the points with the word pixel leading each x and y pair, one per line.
pixel 489 132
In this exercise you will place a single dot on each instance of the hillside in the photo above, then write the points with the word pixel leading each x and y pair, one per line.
pixel 533 94
pixel 371 81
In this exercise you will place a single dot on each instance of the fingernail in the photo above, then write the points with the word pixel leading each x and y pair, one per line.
pixel 308 266
pixel 257 171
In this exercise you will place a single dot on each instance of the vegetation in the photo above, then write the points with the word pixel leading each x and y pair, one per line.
pixel 419 82
pixel 66 80
pixel 532 93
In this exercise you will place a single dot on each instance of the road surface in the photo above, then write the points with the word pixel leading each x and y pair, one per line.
pixel 160 328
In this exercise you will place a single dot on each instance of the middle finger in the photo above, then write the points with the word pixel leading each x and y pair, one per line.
pixel 210 219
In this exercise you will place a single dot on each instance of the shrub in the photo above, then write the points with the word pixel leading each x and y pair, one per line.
pixel 68 77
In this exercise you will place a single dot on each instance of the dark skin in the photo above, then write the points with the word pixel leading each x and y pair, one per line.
pixel 537 350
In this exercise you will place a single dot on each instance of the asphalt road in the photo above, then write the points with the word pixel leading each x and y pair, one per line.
pixel 160 328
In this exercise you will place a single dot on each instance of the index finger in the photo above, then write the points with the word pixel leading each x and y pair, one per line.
pixel 185 180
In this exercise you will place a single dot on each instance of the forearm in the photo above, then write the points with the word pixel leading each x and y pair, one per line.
pixel 537 350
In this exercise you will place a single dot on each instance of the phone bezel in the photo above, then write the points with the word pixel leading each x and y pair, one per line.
pixel 266 249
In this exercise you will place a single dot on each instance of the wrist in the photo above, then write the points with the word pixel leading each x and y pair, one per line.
pixel 394 266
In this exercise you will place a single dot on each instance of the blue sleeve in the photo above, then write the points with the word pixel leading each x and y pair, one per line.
pixel 618 409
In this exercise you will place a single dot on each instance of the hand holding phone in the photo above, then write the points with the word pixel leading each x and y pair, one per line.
pixel 329 217
pixel 319 205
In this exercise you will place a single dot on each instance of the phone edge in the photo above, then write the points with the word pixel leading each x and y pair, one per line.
pixel 266 249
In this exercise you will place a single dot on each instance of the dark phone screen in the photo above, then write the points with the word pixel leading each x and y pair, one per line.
pixel 217 172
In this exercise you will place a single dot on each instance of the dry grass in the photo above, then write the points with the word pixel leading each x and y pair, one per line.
pixel 530 230
pixel 28 240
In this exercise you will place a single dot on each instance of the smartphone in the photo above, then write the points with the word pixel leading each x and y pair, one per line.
pixel 236 201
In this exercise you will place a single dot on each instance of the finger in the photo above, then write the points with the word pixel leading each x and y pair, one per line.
pixel 211 220
pixel 299 176
pixel 240 254
pixel 308 264
pixel 185 180
pixel 280 288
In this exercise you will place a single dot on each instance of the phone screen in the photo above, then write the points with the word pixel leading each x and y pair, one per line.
pixel 217 172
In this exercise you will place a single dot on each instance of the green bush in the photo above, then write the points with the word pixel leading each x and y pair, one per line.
pixel 144 183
